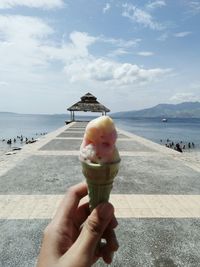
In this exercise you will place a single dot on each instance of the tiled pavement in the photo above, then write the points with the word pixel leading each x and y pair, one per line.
pixel 156 197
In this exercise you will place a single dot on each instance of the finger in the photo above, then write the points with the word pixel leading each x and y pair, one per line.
pixel 113 224
pixel 111 245
pixel 82 212
pixel 70 202
pixel 94 227
pixel 104 253
pixel 108 257
pixel 111 240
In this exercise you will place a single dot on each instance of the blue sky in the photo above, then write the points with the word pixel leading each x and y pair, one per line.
pixel 129 54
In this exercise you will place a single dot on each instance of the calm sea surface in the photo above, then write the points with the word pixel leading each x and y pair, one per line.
pixel 30 126
pixel 33 126
pixel 186 130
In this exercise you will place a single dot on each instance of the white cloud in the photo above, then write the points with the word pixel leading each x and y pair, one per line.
pixel 118 52
pixel 193 7
pixel 24 43
pixel 184 96
pixel 24 26
pixel 35 65
pixel 112 72
pixel 67 52
pixel 79 43
pixel 23 64
pixel 118 47
pixel 21 38
pixel 155 4
pixel 82 40
pixel 141 17
pixel 119 42
pixel 182 34
pixel 106 8
pixel 46 4
pixel 145 53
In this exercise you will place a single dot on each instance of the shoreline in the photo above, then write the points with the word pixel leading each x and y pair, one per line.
pixel 8 155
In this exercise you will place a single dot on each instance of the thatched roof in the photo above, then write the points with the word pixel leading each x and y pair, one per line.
pixel 88 103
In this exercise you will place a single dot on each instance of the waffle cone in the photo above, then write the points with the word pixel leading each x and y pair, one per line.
pixel 100 181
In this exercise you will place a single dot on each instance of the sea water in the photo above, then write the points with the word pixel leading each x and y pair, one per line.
pixel 34 126
pixel 177 130
pixel 27 126
pixel 12 124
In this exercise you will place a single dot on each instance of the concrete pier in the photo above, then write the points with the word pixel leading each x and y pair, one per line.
pixel 156 196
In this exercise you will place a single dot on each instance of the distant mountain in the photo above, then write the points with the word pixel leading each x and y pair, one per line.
pixel 182 110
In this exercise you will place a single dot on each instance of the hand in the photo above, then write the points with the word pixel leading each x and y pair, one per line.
pixel 72 239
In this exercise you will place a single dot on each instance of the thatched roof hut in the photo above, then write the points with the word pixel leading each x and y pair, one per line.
pixel 88 103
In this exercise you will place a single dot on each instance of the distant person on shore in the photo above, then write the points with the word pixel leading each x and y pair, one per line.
pixel 72 239
pixel 193 145
pixel 178 148
pixel 9 142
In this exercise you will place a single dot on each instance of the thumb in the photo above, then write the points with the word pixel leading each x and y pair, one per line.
pixel 94 227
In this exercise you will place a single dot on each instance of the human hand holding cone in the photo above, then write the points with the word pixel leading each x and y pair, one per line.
pixel 100 159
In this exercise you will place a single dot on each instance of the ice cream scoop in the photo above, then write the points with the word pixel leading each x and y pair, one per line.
pixel 99 140
pixel 100 158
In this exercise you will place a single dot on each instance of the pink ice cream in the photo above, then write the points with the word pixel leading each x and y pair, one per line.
pixel 99 140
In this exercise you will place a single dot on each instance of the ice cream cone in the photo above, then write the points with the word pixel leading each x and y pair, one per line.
pixel 99 179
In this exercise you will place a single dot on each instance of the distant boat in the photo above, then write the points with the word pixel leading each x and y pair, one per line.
pixel 164 120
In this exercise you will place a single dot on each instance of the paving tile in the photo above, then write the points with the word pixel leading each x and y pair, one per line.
pixel 123 145
pixel 62 144
pixel 137 175
pixel 71 134
pixel 126 206
pixel 156 174
pixel 42 175
pixel 20 242
pixel 143 242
